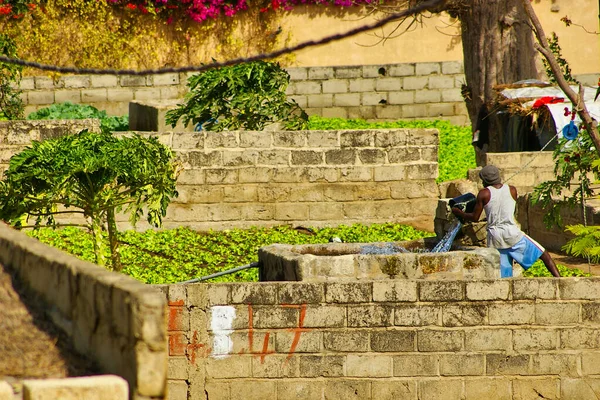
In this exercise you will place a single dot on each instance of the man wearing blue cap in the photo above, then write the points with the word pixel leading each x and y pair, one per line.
pixel 499 201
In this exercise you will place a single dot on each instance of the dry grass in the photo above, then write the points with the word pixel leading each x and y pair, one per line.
pixel 30 345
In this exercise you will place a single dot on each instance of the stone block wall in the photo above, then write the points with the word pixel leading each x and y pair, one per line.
pixel 382 92
pixel 113 319
pixel 111 93
pixel 315 178
pixel 16 135
pixel 531 218
pixel 523 170
pixel 398 339
pixel 387 91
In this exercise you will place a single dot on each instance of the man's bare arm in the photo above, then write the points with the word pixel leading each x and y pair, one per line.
pixel 482 199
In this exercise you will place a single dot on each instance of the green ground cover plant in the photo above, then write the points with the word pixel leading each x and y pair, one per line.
pixel 539 270
pixel 455 153
pixel 68 110
pixel 176 255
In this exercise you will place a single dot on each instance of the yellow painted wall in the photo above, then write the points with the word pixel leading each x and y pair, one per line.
pixel 436 38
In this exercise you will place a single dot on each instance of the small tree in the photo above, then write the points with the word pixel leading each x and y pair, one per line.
pixel 96 174
pixel 249 96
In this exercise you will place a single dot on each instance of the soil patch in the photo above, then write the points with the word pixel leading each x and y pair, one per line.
pixel 31 346
pixel 575 262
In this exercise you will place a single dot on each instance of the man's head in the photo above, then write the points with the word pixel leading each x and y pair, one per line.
pixel 490 175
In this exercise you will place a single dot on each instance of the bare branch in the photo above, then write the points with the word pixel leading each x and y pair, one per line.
pixel 542 46
pixel 568 23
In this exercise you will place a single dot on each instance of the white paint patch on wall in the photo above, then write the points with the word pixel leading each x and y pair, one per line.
pixel 221 323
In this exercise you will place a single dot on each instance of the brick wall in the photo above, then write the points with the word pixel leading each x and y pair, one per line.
pixel 396 91
pixel 16 135
pixel 399 339
pixel 314 178
pixel 111 93
pixel 111 318
pixel 426 90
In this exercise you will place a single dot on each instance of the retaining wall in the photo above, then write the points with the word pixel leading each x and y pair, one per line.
pixel 386 91
pixel 111 318
pixel 243 178
pixel 399 339
pixel 314 178
pixel 425 90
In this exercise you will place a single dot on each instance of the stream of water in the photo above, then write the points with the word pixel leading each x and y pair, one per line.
pixel 442 246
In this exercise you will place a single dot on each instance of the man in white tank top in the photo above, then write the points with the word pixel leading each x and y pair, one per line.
pixel 499 202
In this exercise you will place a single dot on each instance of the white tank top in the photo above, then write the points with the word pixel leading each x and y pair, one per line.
pixel 502 229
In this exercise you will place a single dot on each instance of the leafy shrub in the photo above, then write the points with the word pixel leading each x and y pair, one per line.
pixel 455 155
pixel 11 105
pixel 181 254
pixel 68 110
pixel 249 96
pixel 575 161
pixel 95 175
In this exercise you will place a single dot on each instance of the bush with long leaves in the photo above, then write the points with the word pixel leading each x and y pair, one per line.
pixel 95 175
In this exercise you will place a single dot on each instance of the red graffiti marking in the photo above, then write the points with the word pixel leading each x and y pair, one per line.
pixel 250 329
pixel 175 315
pixel 298 330
pixel 176 344
pixel 265 348
pixel 194 347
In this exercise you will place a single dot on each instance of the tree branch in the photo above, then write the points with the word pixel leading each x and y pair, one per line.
pixel 54 226
pixel 577 100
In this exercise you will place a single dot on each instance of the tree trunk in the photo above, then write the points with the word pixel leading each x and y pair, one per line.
pixel 98 242
pixel 498 48
pixel 112 240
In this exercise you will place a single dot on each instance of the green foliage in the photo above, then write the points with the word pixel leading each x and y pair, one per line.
pixel 68 110
pixel 586 242
pixel 539 270
pixel 562 63
pixel 244 96
pixel 455 153
pixel 11 105
pixel 96 175
pixel 181 254
pixel 574 160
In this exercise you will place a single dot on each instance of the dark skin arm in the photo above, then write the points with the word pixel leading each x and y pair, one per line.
pixel 483 197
